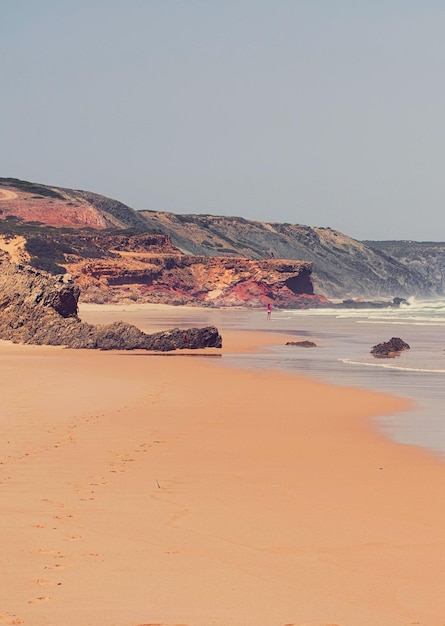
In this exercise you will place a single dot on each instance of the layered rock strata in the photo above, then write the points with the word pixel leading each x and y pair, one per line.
pixel 195 280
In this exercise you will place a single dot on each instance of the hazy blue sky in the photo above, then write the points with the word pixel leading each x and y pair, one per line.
pixel 317 112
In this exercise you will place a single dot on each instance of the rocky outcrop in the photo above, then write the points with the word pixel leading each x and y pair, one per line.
pixel 123 336
pixel 37 308
pixel 390 348
pixel 372 304
pixel 181 279
pixel 305 343
pixel 147 268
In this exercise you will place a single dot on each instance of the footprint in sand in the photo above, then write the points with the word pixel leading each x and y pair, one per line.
pixel 10 619
pixel 74 537
pixel 41 581
pixel 63 517
pixel 57 566
pixel 55 553
pixel 77 488
pixel 39 599
pixel 57 556
pixel 59 505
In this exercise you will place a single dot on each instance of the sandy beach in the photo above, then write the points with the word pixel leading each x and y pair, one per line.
pixel 140 489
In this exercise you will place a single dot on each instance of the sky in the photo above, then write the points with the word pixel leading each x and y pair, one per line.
pixel 317 112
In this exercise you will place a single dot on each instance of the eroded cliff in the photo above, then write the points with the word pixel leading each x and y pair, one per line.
pixel 148 268
pixel 182 279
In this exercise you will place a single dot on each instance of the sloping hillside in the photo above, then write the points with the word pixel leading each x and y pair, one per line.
pixel 59 207
pixel 342 266
pixel 425 257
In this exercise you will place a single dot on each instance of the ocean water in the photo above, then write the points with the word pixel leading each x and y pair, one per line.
pixel 344 339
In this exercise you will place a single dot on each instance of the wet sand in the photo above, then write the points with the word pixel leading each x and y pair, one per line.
pixel 141 489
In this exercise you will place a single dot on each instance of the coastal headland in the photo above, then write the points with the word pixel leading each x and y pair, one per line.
pixel 140 489
pixel 116 254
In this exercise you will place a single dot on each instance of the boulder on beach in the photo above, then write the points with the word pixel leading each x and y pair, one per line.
pixel 390 348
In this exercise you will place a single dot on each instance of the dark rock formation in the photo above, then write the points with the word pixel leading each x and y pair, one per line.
pixel 38 308
pixel 302 344
pixel 372 304
pixel 393 347
pixel 123 336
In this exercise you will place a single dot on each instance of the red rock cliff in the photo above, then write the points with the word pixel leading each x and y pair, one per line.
pixel 136 274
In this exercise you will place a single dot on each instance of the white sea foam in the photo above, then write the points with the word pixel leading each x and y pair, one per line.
pixel 419 321
pixel 390 366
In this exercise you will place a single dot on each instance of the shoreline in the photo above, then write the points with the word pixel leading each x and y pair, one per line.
pixel 169 491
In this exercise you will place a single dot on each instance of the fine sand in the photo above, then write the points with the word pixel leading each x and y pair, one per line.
pixel 140 489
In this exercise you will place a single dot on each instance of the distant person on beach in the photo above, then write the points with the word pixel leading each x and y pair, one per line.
pixel 269 311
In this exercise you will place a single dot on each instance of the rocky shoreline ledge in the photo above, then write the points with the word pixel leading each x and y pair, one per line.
pixel 41 309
